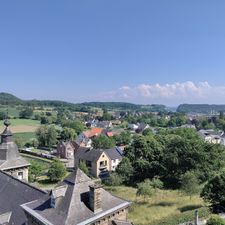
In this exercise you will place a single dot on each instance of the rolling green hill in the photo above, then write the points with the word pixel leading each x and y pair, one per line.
pixel 11 100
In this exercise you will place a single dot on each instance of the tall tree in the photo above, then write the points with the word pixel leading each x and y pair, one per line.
pixel 68 134
pixel 46 135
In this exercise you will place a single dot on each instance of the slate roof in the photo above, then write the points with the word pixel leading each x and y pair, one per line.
pixel 88 154
pixel 73 208
pixel 114 153
pixel 13 193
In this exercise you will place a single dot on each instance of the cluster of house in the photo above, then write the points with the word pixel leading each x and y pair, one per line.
pixel 139 127
pixel 77 200
pixel 212 136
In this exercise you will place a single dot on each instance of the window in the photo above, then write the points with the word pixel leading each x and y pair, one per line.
pixel 20 175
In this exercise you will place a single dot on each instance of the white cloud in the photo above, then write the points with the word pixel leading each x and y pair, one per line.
pixel 168 94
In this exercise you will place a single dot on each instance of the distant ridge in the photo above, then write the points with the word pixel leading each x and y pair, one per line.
pixel 9 99
pixel 200 108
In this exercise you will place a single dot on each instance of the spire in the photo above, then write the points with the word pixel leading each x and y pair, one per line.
pixel 6 134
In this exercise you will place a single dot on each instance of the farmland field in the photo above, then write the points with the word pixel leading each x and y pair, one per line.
pixel 22 125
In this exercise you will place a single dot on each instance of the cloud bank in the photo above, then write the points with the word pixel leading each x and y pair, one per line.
pixel 168 94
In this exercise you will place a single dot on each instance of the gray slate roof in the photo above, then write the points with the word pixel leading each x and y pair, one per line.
pixel 88 154
pixel 13 193
pixel 73 209
pixel 114 153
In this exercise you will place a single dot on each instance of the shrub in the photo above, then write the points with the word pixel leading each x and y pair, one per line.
pixel 215 220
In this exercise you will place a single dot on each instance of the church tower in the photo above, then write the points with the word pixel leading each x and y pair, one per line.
pixel 10 160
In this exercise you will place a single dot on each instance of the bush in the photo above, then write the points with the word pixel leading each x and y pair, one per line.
pixel 114 180
pixel 215 220
pixel 56 171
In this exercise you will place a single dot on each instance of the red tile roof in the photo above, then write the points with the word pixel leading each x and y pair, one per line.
pixel 95 131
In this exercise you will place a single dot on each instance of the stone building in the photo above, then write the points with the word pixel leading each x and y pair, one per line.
pixel 77 201
pixel 96 160
pixel 10 160
pixel 65 150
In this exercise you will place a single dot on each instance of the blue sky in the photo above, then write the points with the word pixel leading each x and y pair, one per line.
pixel 142 51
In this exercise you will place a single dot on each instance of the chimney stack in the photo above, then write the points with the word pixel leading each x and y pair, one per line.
pixel 95 198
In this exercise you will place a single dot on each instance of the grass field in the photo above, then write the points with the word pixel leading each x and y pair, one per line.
pixel 25 137
pixel 164 204
pixel 13 111
pixel 22 125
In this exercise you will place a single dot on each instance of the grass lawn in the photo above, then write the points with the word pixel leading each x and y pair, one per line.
pixel 31 158
pixel 164 204
pixel 25 137
pixel 22 125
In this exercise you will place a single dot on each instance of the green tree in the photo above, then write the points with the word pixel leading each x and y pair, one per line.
pixel 214 191
pixel 215 220
pixel 26 113
pixel 147 132
pixel 76 125
pixel 34 142
pixel 103 142
pixel 68 134
pixel 35 170
pixel 189 183
pixel 125 169
pixel 46 135
pixel 56 171
pixel 123 139
pixel 145 189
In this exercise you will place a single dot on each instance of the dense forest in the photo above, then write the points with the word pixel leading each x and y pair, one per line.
pixel 200 108
pixel 9 99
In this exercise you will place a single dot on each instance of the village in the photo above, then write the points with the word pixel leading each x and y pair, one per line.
pixel 92 150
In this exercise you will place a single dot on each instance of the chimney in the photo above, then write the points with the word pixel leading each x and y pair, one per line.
pixel 95 198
